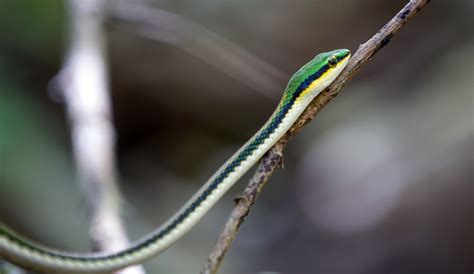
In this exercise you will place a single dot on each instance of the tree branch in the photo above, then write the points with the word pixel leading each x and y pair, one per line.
pixel 84 81
pixel 274 157
pixel 211 48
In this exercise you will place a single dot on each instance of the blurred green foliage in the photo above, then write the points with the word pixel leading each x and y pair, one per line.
pixel 35 27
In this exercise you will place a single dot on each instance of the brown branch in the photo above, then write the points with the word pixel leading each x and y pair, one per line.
pixel 273 158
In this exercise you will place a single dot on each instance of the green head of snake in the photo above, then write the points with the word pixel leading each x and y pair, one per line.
pixel 319 72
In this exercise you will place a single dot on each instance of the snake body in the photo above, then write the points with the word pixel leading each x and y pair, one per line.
pixel 302 88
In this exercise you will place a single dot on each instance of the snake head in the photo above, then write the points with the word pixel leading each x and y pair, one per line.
pixel 317 74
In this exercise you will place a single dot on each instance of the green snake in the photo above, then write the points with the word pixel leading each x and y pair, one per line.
pixel 302 88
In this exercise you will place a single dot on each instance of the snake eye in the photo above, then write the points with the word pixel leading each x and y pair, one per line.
pixel 332 61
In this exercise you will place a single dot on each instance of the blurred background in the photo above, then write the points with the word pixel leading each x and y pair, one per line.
pixel 380 182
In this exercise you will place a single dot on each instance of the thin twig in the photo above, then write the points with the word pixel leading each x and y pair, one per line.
pixel 211 48
pixel 84 81
pixel 272 159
